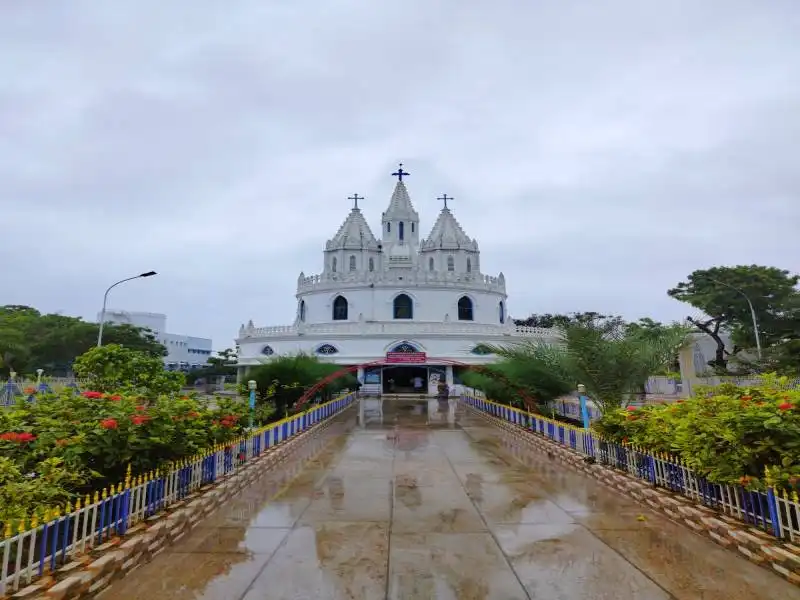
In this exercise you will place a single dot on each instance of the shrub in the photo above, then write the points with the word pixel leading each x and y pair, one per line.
pixel 727 434
pixel 62 445
pixel 113 368
pixel 283 380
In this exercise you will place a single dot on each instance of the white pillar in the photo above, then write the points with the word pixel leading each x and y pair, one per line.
pixel 449 375
pixel 688 372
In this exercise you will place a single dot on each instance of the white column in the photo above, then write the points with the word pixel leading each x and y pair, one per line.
pixel 449 375
pixel 688 374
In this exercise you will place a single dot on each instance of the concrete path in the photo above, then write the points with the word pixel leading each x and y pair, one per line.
pixel 425 502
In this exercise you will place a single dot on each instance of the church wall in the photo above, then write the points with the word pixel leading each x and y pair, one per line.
pixel 432 305
pixel 357 350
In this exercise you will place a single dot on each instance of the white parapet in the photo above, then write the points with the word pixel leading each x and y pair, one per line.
pixel 402 328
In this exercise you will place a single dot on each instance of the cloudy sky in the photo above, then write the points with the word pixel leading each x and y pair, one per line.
pixel 598 151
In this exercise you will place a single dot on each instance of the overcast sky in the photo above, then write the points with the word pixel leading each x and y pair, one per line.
pixel 598 151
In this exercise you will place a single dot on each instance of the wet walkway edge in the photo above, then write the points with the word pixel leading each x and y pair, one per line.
pixel 780 558
pixel 88 575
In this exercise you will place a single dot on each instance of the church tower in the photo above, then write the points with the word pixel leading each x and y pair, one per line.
pixel 354 248
pixel 448 249
pixel 400 227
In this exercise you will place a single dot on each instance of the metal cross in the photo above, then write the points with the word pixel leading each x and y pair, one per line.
pixel 400 173
pixel 355 198
pixel 445 198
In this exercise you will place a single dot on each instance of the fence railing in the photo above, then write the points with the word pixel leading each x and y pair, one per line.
pixel 30 549
pixel 14 388
pixel 774 511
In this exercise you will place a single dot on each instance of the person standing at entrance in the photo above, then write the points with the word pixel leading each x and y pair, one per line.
pixel 417 383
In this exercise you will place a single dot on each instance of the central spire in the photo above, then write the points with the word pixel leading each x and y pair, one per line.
pixel 400 207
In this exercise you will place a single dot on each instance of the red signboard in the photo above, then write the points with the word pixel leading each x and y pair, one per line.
pixel 406 357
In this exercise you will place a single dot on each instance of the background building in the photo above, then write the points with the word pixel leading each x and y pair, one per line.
pixel 186 352
pixel 415 304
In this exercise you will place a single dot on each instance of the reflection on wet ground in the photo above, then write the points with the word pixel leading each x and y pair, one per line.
pixel 420 500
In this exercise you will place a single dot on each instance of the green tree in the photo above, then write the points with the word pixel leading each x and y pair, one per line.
pixel 30 340
pixel 548 321
pixel 114 368
pixel 725 294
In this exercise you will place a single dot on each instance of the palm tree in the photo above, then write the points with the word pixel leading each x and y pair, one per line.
pixel 612 359
pixel 615 360
pixel 537 368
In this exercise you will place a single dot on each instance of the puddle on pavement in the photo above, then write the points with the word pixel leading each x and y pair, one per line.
pixel 405 506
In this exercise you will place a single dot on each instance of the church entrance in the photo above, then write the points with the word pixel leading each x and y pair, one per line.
pixel 405 380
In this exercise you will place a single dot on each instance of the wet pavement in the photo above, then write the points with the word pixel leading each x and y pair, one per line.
pixel 420 501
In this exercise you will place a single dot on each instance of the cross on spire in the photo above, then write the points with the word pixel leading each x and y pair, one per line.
pixel 400 173
pixel 355 198
pixel 445 198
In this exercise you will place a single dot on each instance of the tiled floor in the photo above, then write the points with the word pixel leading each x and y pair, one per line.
pixel 410 509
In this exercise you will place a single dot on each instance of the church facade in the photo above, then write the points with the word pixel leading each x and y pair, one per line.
pixel 411 310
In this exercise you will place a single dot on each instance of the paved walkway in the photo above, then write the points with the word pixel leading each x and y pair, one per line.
pixel 426 503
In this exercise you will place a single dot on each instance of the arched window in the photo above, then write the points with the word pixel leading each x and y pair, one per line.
pixel 340 309
pixel 401 230
pixel 469 266
pixel 403 307
pixel 464 309
pixel 412 226
pixel 327 349
pixel 352 263
pixel 333 264
pixel 502 312
pixel 405 347
pixel 388 228
pixel 371 264
pixel 430 264
pixel 451 263
pixel 302 310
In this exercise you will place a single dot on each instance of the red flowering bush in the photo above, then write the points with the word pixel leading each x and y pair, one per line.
pixel 17 438
pixel 95 437
pixel 728 434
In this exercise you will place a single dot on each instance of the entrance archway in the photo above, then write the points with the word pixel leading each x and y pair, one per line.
pixel 404 379
pixel 311 392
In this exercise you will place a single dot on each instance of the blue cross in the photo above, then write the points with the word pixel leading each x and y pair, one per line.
pixel 400 173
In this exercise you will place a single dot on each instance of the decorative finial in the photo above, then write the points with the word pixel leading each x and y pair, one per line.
pixel 445 198
pixel 355 198
pixel 400 173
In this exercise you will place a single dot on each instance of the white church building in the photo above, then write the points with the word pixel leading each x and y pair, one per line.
pixel 408 309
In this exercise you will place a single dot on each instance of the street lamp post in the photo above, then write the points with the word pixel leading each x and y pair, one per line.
pixel 105 300
pixel 752 310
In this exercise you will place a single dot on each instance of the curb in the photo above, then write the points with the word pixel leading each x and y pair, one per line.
pixel 781 558
pixel 89 574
